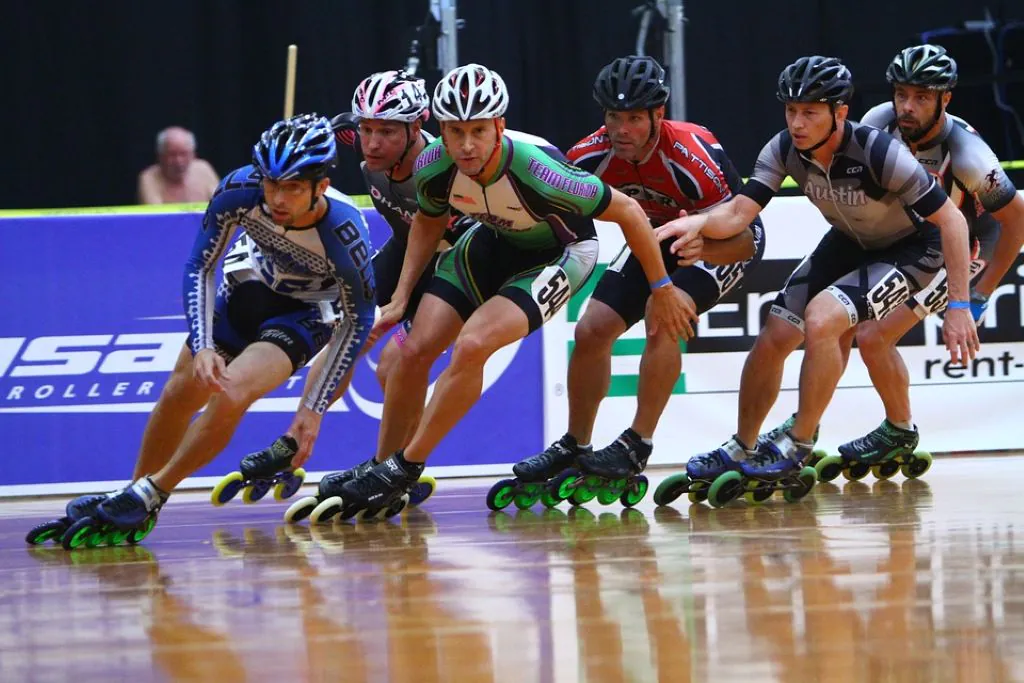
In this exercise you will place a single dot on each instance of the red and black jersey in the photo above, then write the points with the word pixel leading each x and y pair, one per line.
pixel 687 169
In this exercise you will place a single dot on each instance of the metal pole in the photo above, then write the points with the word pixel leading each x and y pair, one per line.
pixel 674 56
pixel 448 41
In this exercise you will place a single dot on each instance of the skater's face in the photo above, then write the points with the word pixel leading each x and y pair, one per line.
pixel 471 143
pixel 632 132
pixel 811 122
pixel 290 201
pixel 917 109
pixel 384 142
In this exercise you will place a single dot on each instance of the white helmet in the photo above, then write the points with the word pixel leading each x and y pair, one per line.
pixel 470 93
pixel 391 96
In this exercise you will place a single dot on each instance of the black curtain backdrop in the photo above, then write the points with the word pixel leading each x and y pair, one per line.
pixel 88 85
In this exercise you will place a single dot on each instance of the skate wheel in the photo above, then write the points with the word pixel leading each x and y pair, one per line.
pixel 671 488
pixel 550 500
pixel 226 489
pixel 501 494
pixel 423 490
pixel 135 536
pixel 829 467
pixel 885 470
pixel 698 492
pixel 816 457
pixel 528 496
pixel 564 484
pixel 76 535
pixel 395 508
pixel 916 465
pixel 635 492
pixel 582 494
pixel 290 485
pixel 326 510
pixel 726 488
pixel 856 471
pixel 300 509
pixel 256 491
pixel 47 531
pixel 758 492
pixel 606 495
pixel 804 483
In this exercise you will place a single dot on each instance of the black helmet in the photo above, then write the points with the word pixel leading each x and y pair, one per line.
pixel 631 83
pixel 816 79
pixel 926 66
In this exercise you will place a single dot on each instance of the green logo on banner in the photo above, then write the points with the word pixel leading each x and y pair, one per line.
pixel 621 385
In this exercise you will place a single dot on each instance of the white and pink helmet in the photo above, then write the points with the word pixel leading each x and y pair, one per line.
pixel 391 96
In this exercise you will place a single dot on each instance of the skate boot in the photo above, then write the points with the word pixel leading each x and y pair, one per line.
pixel 330 487
pixel 701 472
pixel 126 516
pixel 883 452
pixel 778 465
pixel 614 472
pixel 550 477
pixel 79 507
pixel 380 493
pixel 260 472
pixel 774 433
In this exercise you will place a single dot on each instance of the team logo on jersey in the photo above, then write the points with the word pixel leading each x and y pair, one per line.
pixel 642 193
pixel 842 194
pixel 991 180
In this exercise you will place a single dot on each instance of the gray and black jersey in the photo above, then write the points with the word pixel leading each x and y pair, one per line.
pixel 966 166
pixel 874 191
pixel 394 200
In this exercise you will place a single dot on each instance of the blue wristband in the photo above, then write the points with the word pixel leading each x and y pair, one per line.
pixel 958 304
pixel 663 282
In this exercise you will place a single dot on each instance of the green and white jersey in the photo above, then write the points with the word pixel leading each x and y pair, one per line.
pixel 537 200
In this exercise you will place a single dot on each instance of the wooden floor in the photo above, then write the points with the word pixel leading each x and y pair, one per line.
pixel 885 581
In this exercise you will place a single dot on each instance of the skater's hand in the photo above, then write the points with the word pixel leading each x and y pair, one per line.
pixel 669 310
pixel 210 370
pixel 961 335
pixel 691 252
pixel 685 230
pixel 304 429
pixel 390 315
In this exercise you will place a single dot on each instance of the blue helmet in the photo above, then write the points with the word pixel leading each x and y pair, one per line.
pixel 301 147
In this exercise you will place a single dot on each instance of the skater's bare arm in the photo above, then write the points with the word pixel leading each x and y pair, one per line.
pixel 733 250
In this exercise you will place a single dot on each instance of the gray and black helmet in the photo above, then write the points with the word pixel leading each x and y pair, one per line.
pixel 816 79
pixel 631 83
pixel 924 66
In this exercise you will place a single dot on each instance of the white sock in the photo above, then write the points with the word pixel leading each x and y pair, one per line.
pixel 907 426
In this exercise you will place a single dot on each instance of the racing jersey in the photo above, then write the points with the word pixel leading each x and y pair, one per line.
pixel 959 158
pixel 873 191
pixel 327 264
pixel 537 200
pixel 686 169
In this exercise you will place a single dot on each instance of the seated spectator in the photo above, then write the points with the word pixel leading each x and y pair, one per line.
pixel 178 176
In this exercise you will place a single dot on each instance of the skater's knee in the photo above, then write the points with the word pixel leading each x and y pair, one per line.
pixel 386 364
pixel 870 339
pixel 825 323
pixel 183 388
pixel 471 349
pixel 417 352
pixel 596 333
pixel 777 340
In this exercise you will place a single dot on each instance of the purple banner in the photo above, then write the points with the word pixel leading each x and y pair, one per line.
pixel 93 322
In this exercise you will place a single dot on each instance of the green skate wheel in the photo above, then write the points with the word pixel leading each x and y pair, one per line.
pixel 804 483
pixel 226 489
pixel 256 491
pixel 606 495
pixel 289 486
pixel 671 488
pixel 549 499
pixel 501 494
pixel 758 492
pixel 816 457
pixel 582 494
pixel 136 535
pixel 635 492
pixel 885 470
pixel 528 497
pixel 76 535
pixel 47 531
pixel 97 538
pixel 726 488
pixel 117 537
pixel 856 471
pixel 916 464
pixel 829 467
pixel 564 484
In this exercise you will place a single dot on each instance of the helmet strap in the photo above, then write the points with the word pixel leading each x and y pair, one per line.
pixel 408 146
pixel 496 150
pixel 940 109
pixel 828 137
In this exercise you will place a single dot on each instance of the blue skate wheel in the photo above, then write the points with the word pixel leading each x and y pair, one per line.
pixel 726 488
pixel 671 488
pixel 47 531
pixel 256 491
pixel 226 489
pixel 501 494
pixel 423 490
pixel 289 484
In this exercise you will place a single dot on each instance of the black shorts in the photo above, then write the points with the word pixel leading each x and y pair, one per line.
pixel 248 311
pixel 387 269
pixel 870 283
pixel 624 286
